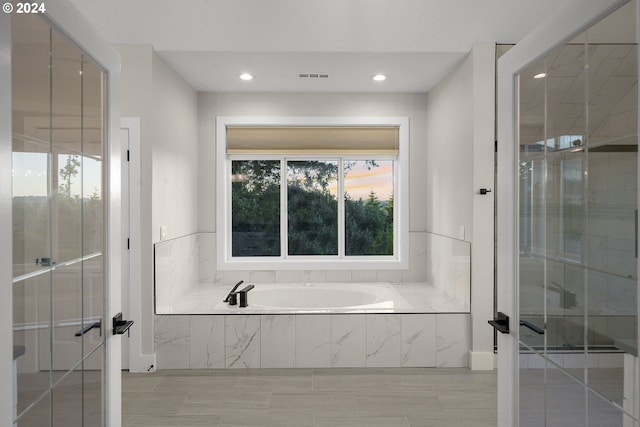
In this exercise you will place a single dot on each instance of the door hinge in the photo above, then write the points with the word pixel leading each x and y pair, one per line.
pixel 127 155
pixel 128 243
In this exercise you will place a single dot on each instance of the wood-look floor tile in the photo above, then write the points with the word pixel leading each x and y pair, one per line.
pixel 161 403
pixel 274 383
pixel 372 417
pixel 316 400
pixel 347 397
pixel 349 381
pixel 394 400
pixel 171 421
pixel 267 418
pixel 447 418
pixel 189 383
pixel 210 401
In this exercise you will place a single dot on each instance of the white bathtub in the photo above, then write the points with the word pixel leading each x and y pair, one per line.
pixel 326 297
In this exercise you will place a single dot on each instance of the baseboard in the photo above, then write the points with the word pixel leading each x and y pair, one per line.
pixel 482 361
pixel 143 363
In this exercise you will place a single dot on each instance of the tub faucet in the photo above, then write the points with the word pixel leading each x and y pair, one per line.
pixel 232 294
pixel 243 295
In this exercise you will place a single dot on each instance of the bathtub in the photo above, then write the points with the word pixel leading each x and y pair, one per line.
pixel 326 297
pixel 278 298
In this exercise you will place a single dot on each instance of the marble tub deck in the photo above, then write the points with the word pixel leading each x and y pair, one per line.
pixel 207 297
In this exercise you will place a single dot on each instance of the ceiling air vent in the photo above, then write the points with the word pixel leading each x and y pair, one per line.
pixel 313 75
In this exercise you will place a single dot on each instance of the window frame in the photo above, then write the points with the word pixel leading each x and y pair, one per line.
pixel 400 259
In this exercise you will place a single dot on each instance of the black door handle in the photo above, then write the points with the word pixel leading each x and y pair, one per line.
pixel 531 326
pixel 87 328
pixel 121 326
pixel 501 323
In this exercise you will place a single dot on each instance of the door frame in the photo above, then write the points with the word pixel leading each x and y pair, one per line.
pixel 132 220
pixel 6 229
pixel 68 20
pixel 567 22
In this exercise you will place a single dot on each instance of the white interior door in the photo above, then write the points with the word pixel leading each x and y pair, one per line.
pixel 557 171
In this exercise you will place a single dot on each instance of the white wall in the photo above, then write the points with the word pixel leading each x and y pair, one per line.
pixel 174 132
pixel 460 161
pixel 211 105
pixel 167 107
pixel 449 163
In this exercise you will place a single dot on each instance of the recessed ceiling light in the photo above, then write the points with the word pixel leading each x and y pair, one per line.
pixel 540 76
pixel 379 77
pixel 246 76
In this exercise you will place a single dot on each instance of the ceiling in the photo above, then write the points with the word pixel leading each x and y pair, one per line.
pixel 414 42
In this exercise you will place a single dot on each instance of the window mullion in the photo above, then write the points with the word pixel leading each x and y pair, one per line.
pixel 284 212
pixel 229 207
pixel 341 210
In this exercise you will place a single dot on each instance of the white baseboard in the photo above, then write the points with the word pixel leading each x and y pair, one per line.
pixel 482 360
pixel 143 363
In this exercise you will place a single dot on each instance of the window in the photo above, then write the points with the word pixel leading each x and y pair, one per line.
pixel 306 193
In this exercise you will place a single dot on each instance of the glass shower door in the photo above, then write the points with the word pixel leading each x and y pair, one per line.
pixel 58 233
pixel 578 109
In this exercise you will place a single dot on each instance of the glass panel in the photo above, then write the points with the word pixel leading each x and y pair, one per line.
pixel 66 136
pixel 92 165
pixel 589 162
pixel 612 208
pixel 532 389
pixel 67 400
pixel 532 232
pixel 312 207
pixel 58 217
pixel 565 316
pixel 31 338
pixel 603 414
pixel 255 208
pixel 368 199
pixel 92 381
pixel 67 317
pixel 30 159
pixel 31 216
pixel 39 414
pixel 93 302
pixel 565 399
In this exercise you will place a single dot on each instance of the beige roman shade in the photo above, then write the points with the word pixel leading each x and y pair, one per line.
pixel 318 140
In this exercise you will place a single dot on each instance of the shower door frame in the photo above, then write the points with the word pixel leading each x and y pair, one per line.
pixel 62 15
pixel 568 21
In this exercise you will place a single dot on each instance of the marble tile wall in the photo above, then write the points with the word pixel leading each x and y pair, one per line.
pixel 312 341
pixel 176 268
pixel 186 262
pixel 449 267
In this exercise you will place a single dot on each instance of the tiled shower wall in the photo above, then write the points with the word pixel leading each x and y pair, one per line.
pixel 312 341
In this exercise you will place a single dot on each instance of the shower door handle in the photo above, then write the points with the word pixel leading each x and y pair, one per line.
pixel 501 323
pixel 87 328
pixel 531 326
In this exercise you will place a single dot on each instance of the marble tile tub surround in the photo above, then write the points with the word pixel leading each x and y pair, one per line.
pixel 449 267
pixel 188 263
pixel 312 341
pixel 176 268
pixel 208 299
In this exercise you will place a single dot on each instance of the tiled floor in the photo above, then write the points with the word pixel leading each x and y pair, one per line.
pixel 367 397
